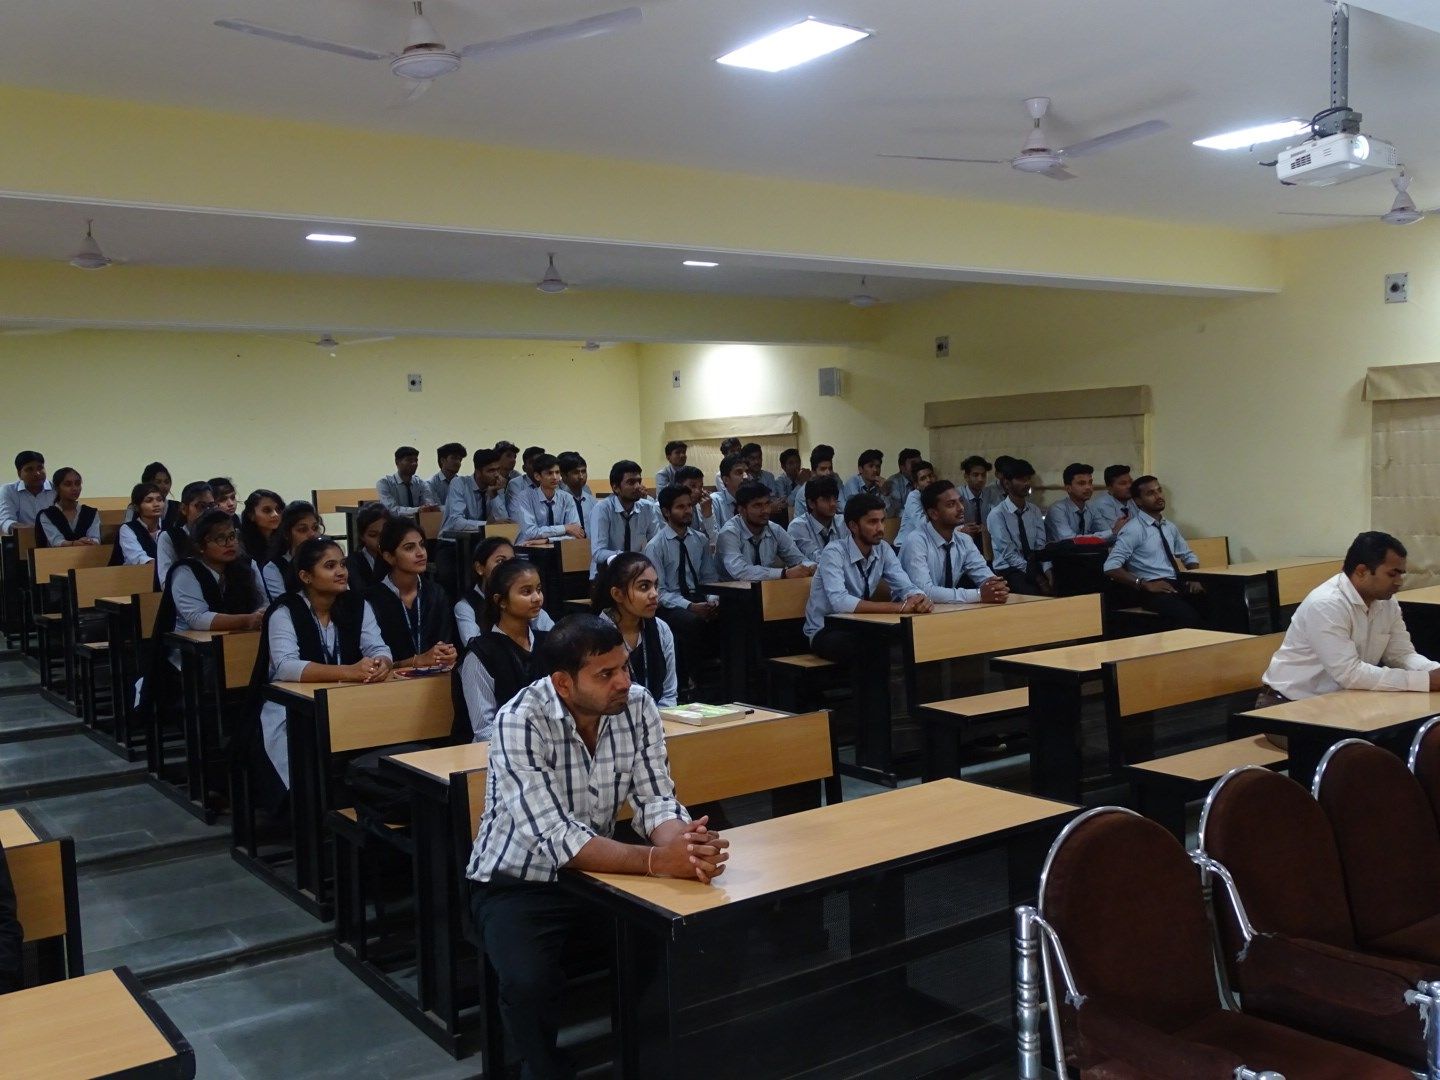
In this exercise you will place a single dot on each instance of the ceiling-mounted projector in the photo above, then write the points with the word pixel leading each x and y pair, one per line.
pixel 1334 159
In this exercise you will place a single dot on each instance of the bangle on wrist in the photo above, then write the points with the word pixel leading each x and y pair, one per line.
pixel 650 862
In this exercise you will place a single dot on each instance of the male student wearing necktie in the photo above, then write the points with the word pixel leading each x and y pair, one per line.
pixel 1072 515
pixel 849 573
pixel 544 509
pixel 476 500
pixel 972 496
pixel 817 528
pixel 734 471
pixel 682 559
pixel 403 493
pixel 574 474
pixel 867 478
pixel 624 520
pixel 942 561
pixel 751 547
pixel 451 459
pixel 1144 555
pixel 1017 533
pixel 1112 508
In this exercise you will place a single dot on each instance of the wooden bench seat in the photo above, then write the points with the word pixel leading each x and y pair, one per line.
pixel 796 682
pixel 955 723
pixel 806 661
pixel 1163 786
pixel 978 705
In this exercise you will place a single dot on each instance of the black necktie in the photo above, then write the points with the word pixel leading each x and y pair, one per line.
pixel 1024 540
pixel 755 543
pixel 684 565
pixel 825 537
pixel 484 502
pixel 949 570
pixel 549 511
pixel 1169 555
pixel 865 576
pixel 409 495
pixel 627 515
pixel 976 501
pixel 1080 521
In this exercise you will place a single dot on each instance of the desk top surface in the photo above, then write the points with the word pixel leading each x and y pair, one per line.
pixel 115 601
pixel 89 1026
pixel 1090 657
pixel 15 830
pixel 440 763
pixel 735 586
pixel 1430 595
pixel 940 609
pixel 1261 567
pixel 197 637
pixel 785 852
pixel 1353 710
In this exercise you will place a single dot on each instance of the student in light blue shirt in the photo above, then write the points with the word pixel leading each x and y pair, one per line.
pixel 675 452
pixel 922 475
pixel 1071 516
pixel 451 458
pixel 972 495
pixel 1144 557
pixel 627 593
pixel 896 489
pixel 849 573
pixel 1017 534
pixel 476 500
pixel 702 516
pixel 623 521
pixel 994 493
pixel 727 447
pixel 518 485
pixel 545 510
pixel 754 455
pixel 790 477
pixel 22 501
pixel 942 560
pixel 575 474
pixel 403 493
pixel 867 480
pixel 682 560
pixel 1113 506
pixel 822 463
pixel 733 472
pixel 751 547
pixel 817 528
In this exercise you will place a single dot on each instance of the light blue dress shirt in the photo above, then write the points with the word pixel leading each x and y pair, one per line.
pixel 391 490
pixel 723 505
pixel 1062 521
pixel 992 496
pixel 923 561
pixel 1107 509
pixel 798 505
pixel 191 610
pixel 19 507
pixel 974 504
pixel 840 581
pixel 811 537
pixel 784 488
pixel 468 507
pixel 665 476
pixel 855 486
pixel 584 502
pixel 531 511
pixel 440 487
pixel 664 551
pixel 606 528
pixel 1139 550
pixel 766 477
pixel 743 556
pixel 467 623
pixel 1004 533
pixel 669 689
pixel 274 577
pixel 901 488
pixel 912 516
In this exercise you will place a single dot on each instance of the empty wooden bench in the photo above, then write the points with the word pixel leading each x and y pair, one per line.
pixel 952 724
pixel 47 897
pixel 1163 787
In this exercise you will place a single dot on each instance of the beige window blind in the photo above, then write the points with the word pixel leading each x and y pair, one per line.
pixel 1405 480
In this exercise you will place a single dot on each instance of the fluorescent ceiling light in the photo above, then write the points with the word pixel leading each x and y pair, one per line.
pixel 1252 136
pixel 699 262
pixel 793 45
pixel 330 238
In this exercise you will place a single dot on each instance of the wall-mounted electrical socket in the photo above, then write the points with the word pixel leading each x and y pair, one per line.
pixel 942 346
pixel 413 382
pixel 1397 288
pixel 675 380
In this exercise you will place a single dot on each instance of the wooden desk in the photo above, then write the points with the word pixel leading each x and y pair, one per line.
pixel 130 623
pixel 758 619
pixel 101 1025
pixel 878 853
pixel 1250 597
pixel 1421 608
pixel 42 869
pixel 1055 677
pixel 1313 725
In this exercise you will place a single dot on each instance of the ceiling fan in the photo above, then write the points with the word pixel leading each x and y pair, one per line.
pixel 1038 156
pixel 90 257
pixel 1402 211
pixel 426 57
pixel 328 341
pixel 864 298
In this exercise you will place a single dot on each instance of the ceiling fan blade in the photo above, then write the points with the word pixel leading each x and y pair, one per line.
pixel 416 90
pixel 1115 138
pixel 927 157
pixel 554 35
pixel 1058 172
pixel 1306 213
pixel 300 39
pixel 368 340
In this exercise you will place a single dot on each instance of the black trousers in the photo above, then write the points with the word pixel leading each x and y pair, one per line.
pixel 837 646
pixel 1023 582
pixel 1179 609
pixel 528 929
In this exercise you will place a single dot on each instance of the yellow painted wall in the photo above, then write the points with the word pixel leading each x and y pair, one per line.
pixel 284 414
pixel 1258 428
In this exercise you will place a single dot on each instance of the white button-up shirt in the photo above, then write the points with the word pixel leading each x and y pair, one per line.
pixel 19 507
pixel 1337 642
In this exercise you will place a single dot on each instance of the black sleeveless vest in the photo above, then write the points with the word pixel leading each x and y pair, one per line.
pixel 437 619
pixel 510 667
pixel 83 519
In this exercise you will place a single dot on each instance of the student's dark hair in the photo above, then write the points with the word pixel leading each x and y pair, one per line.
pixel 789 454
pixel 922 464
pixel 406 451
pixel 617 573
pixel 820 486
pixel 484 457
pixel 1140 482
pixel 620 470
pixel 148 474
pixel 728 463
pixel 669 494
pixel 930 497
pixel 1077 468
pixel 867 456
pixel 59 475
pixel 974 461
pixel 253 501
pixel 857 506
pixel 1001 460
pixel 688 472
pixel 532 452
pixel 823 452
pixel 906 454
pixel 219 484
pixel 730 445
pixel 1369 550
pixel 673 445
pixel 28 457
pixel 505 446
pixel 369 514
pixel 239 586
pixel 750 449
pixel 295 512
pixel 450 449
pixel 481 555
pixel 394 533
pixel 1114 472
pixel 570 461
pixel 751 491
pixel 575 639
pixel 501 581
pixel 540 462
pixel 139 491
pixel 309 554
pixel 1014 468
pixel 256 546
pixel 193 490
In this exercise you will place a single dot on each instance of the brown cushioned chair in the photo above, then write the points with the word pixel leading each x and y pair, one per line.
pixel 1122 917
pixel 1286 937
pixel 1425 762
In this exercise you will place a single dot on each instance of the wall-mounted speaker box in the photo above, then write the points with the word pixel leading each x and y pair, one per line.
pixel 832 382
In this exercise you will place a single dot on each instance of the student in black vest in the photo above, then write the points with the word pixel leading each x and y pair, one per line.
pixel 223 488
pixel 258 522
pixel 500 662
pixel 471 610
pixel 414 613
pixel 298 523
pixel 627 593
pixel 66 523
pixel 135 542
pixel 176 539
pixel 364 563
pixel 157 474
pixel 320 632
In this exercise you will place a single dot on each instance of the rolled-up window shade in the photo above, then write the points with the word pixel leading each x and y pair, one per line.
pixel 1402 382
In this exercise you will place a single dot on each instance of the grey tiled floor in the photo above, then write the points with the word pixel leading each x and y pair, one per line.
pixel 65 757
pixel 29 712
pixel 120 820
pixel 15 672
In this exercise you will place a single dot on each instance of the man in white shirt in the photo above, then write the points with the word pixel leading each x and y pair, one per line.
pixel 22 501
pixel 1349 634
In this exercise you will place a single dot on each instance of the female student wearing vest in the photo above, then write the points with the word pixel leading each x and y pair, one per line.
pixel 258 522
pixel 176 539
pixel 157 474
pixel 320 632
pixel 225 497
pixel 627 593
pixel 471 610
pixel 135 543
pixel 364 563
pixel 65 523
pixel 414 613
pixel 298 523
pixel 499 663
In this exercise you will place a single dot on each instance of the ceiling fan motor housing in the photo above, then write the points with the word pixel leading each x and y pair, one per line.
pixel 424 62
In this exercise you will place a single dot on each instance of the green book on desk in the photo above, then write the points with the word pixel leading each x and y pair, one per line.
pixel 698 715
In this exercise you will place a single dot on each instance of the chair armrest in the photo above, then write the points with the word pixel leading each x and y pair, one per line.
pixel 1108 1036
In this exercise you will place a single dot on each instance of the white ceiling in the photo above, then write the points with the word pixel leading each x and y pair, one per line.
pixel 940 77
